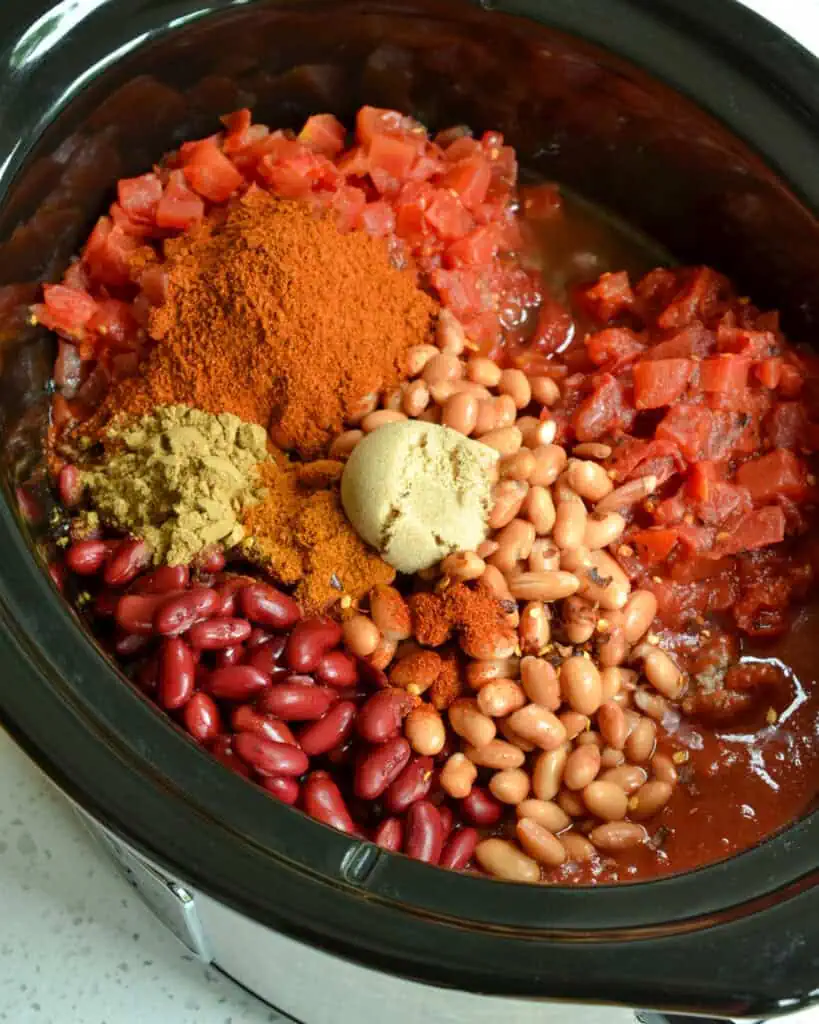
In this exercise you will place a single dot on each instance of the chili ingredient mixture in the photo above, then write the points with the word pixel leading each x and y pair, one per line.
pixel 592 666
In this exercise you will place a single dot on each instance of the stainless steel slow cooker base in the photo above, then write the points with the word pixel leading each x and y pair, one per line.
pixel 310 986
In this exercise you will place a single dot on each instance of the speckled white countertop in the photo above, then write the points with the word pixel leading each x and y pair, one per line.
pixel 76 944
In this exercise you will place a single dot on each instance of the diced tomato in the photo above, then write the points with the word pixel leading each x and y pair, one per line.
pixel 554 327
pixel 541 202
pixel 701 477
pixel 694 300
pixel 377 219
pixel 724 373
pixel 463 291
pixel 786 425
pixel 477 249
pixel 139 197
pixel 790 381
pixel 390 160
pixel 608 298
pixel 635 458
pixel 688 427
pixel 605 410
pixel 655 544
pixel 470 178
pixel 752 344
pixel 114 321
pixel 179 207
pixel 210 173
pixel 448 216
pixel 769 372
pixel 65 310
pixel 755 530
pixel 348 202
pixel 721 502
pixel 779 472
pixel 614 348
pixel 108 253
pixel 660 382
pixel 693 341
pixel 373 121
pixel 324 134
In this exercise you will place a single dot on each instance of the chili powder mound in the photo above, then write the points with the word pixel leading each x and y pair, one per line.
pixel 274 315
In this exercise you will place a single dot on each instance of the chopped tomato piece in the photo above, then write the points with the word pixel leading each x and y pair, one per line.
pixel 654 545
pixel 390 161
pixel 179 207
pixel 694 300
pixel 463 291
pixel 786 426
pixel 614 348
pixel 138 197
pixel 660 382
pixel 210 173
pixel 688 427
pixel 553 329
pixel 790 381
pixel 477 249
pixel 448 216
pixel 693 341
pixel 769 372
pixel 377 219
pixel 779 472
pixel 724 373
pixel 757 529
pixel 348 203
pixel 324 134
pixel 609 297
pixel 470 178
pixel 603 411
pixel 373 121
pixel 108 254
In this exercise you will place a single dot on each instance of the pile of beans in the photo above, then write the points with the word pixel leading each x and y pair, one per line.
pixel 561 720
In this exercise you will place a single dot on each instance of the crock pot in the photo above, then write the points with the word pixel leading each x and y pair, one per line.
pixel 699 123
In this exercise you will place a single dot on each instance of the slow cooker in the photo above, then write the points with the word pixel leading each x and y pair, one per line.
pixel 697 123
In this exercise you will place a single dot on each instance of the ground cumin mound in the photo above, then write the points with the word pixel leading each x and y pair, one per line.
pixel 272 314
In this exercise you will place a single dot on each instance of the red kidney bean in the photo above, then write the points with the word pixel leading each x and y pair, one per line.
pixel 236 682
pixel 70 486
pixel 105 603
pixel 176 674
pixel 228 592
pixel 258 637
pixel 163 579
pixel 424 836
pixel 310 640
pixel 390 835
pixel 413 784
pixel 201 718
pixel 338 668
pixel 178 614
pixel 87 557
pixel 447 820
pixel 245 719
pixel 295 700
pixel 147 676
pixel 215 634
pixel 330 731
pixel 229 656
pixel 481 808
pixel 323 801
pixel 268 757
pixel 379 767
pixel 127 562
pixel 129 644
pixel 222 749
pixel 459 849
pixel 266 657
pixel 283 787
pixel 381 717
pixel 371 677
pixel 135 612
pixel 211 560
pixel 266 606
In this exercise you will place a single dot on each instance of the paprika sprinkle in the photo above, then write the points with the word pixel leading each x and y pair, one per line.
pixel 274 315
